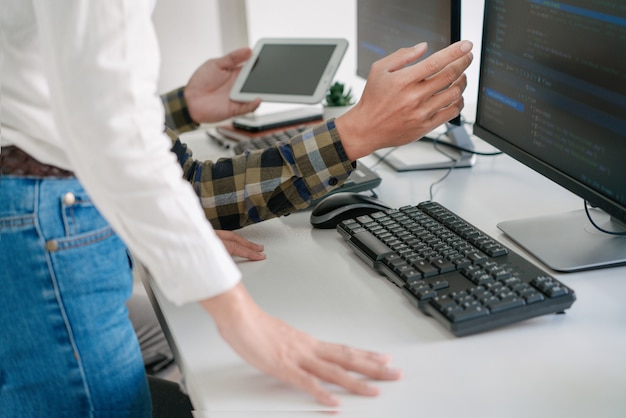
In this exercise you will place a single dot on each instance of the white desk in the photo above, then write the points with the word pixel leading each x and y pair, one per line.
pixel 571 365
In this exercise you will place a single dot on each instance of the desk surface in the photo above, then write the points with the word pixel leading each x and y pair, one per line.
pixel 570 365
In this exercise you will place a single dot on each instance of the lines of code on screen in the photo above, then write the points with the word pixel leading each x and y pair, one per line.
pixel 553 83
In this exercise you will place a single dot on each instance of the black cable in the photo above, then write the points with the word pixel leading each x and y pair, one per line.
pixel 459 148
pixel 382 158
pixel 436 143
pixel 448 171
pixel 443 143
pixel 597 226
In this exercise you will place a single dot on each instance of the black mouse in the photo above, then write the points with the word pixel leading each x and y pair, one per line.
pixel 340 206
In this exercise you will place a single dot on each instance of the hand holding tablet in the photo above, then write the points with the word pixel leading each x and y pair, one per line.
pixel 289 70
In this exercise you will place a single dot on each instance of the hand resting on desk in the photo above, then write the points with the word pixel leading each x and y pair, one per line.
pixel 300 349
pixel 290 355
pixel 240 247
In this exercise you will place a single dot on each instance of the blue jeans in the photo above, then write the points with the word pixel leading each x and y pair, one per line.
pixel 67 347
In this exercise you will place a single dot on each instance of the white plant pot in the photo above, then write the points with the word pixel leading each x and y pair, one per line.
pixel 335 111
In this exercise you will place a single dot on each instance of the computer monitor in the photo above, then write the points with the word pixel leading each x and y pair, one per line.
pixel 552 94
pixel 384 26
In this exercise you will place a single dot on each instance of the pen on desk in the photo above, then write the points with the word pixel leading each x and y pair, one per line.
pixel 219 141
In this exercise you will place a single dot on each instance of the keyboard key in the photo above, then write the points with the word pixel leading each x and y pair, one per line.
pixel 556 291
pixel 506 304
pixel 367 242
pixel 442 302
pixel 411 276
pixel 427 269
pixel 466 314
pixel 443 265
pixel 425 294
pixel 440 284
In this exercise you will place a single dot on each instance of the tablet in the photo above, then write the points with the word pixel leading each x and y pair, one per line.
pixel 289 70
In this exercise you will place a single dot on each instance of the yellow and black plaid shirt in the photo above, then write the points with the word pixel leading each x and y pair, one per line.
pixel 259 185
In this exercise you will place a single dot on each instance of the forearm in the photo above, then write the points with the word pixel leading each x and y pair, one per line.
pixel 257 186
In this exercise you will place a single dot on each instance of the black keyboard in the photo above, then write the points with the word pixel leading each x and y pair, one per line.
pixel 451 270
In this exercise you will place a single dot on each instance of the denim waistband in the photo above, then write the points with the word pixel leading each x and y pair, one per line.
pixel 22 195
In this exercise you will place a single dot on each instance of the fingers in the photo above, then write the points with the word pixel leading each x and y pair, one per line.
pixel 400 58
pixel 234 58
pixel 440 82
pixel 335 374
pixel 436 62
pixel 457 52
pixel 448 75
pixel 241 247
pixel 447 103
pixel 334 363
pixel 308 375
pixel 306 381
pixel 367 363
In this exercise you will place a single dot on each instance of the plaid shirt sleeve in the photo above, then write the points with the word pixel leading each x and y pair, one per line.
pixel 177 116
pixel 264 184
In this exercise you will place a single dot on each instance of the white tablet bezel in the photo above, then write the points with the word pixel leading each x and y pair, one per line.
pixel 322 85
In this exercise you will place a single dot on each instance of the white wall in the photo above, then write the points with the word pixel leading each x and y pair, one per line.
pixel 191 31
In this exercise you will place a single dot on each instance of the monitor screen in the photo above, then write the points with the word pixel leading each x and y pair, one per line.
pixel 384 26
pixel 552 94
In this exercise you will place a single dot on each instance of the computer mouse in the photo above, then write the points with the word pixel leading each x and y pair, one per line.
pixel 340 206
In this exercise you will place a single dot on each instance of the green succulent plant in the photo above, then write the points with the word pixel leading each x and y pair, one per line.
pixel 336 95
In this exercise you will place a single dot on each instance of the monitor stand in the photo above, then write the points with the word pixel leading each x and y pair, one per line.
pixel 569 242
pixel 423 155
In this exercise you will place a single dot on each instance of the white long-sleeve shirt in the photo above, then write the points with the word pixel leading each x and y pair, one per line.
pixel 79 91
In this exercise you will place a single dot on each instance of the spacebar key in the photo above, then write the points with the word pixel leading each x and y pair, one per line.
pixel 374 249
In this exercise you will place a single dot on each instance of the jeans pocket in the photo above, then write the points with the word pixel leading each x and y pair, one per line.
pixel 80 215
pixel 91 243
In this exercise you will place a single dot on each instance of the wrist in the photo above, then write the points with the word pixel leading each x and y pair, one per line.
pixel 353 136
pixel 186 108
pixel 177 115
pixel 228 307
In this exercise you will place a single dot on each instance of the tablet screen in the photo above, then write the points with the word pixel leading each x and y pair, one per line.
pixel 289 70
